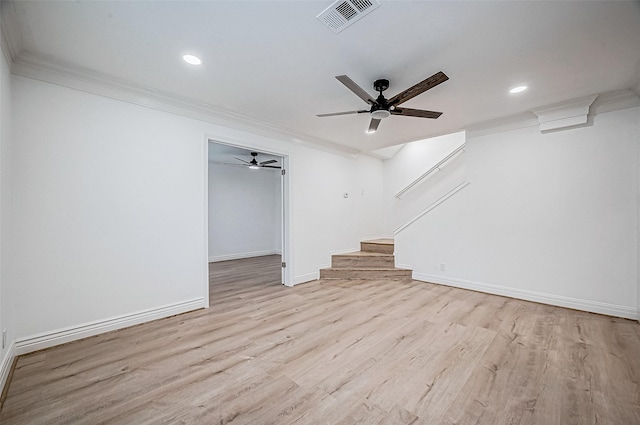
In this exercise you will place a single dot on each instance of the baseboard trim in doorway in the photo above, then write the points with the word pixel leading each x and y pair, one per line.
pixel 73 333
pixel 241 255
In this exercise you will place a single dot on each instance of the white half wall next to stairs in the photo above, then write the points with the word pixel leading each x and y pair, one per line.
pixel 548 217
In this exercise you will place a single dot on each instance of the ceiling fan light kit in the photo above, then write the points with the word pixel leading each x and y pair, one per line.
pixel 380 114
pixel 382 107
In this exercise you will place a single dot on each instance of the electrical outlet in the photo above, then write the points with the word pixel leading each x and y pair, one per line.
pixel 4 338
pixel 443 267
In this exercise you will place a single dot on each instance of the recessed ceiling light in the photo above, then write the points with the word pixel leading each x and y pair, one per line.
pixel 193 60
pixel 518 89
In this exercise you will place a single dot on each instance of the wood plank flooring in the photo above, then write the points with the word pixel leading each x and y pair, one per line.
pixel 340 352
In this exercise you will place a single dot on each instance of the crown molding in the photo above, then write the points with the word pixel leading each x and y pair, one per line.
pixel 607 102
pixel 48 70
pixel 615 101
pixel 4 46
pixel 10 44
pixel 512 122
pixel 566 114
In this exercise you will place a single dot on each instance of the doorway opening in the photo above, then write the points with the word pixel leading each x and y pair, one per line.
pixel 247 214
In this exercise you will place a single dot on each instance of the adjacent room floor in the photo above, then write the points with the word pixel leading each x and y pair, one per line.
pixel 340 352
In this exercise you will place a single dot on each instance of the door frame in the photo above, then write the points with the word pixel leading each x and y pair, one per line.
pixel 285 213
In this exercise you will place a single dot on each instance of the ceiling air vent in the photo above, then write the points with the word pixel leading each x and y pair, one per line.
pixel 344 13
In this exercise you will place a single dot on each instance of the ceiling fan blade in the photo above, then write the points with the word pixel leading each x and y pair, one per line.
pixel 408 112
pixel 373 125
pixel 359 91
pixel 271 166
pixel 343 113
pixel 246 162
pixel 226 163
pixel 419 88
pixel 271 161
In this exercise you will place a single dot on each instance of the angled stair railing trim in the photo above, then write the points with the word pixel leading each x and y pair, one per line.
pixel 432 206
pixel 431 171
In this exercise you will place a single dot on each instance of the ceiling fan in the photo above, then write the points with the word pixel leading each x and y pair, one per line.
pixel 254 164
pixel 381 107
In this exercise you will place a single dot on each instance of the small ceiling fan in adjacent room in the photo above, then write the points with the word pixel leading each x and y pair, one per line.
pixel 254 164
pixel 382 108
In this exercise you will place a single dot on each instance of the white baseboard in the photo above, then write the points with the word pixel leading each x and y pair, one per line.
pixel 73 333
pixel 240 255
pixel 7 362
pixel 539 297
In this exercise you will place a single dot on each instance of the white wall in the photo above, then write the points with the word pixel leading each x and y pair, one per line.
pixel 369 197
pixel 324 220
pixel 7 314
pixel 244 212
pixel 548 217
pixel 411 162
pixel 110 207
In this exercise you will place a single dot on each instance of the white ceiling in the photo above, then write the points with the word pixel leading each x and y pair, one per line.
pixel 274 62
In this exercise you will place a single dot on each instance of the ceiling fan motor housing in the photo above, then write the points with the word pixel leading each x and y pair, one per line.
pixel 381 85
pixel 380 110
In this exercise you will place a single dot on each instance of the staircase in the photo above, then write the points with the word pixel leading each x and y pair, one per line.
pixel 375 260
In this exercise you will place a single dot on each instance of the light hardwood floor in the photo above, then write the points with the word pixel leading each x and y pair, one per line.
pixel 340 352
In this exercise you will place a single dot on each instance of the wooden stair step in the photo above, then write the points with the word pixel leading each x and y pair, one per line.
pixel 374 261
pixel 365 273
pixel 363 259
pixel 383 246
